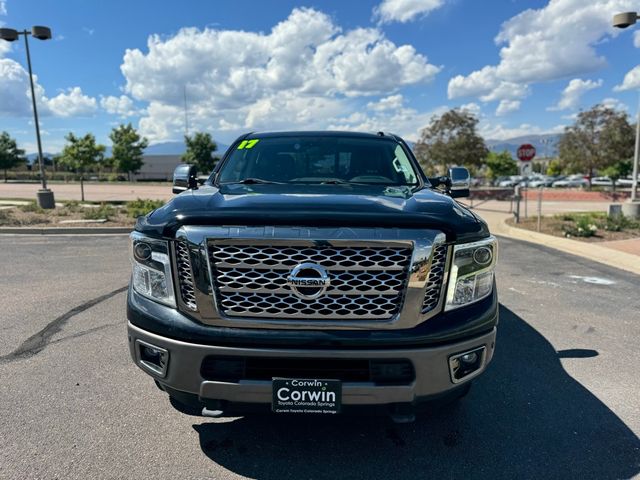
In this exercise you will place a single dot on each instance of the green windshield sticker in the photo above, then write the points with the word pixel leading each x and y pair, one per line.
pixel 248 144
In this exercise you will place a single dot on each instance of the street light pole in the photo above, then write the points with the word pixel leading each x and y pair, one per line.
pixel 44 195
pixel 634 183
pixel 35 111
pixel 632 208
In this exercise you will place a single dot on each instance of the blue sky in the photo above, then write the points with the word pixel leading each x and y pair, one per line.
pixel 523 66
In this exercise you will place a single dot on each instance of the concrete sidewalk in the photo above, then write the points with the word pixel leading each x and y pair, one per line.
pixel 93 192
pixel 622 254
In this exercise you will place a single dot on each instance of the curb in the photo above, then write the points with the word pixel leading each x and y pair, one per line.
pixel 591 251
pixel 66 231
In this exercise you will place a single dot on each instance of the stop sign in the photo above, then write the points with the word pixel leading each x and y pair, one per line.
pixel 526 152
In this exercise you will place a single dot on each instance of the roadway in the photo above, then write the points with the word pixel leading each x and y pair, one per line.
pixel 560 399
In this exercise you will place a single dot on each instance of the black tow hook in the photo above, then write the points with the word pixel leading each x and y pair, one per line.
pixel 403 413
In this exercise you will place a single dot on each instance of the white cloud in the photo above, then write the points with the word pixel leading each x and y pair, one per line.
pixel 399 119
pixel 15 96
pixel 475 84
pixel 636 39
pixel 72 103
pixel 284 110
pixel 486 85
pixel 121 106
pixel 500 132
pixel 4 46
pixel 543 44
pixel 631 80
pixel 615 104
pixel 507 106
pixel 404 10
pixel 472 108
pixel 506 91
pixel 14 89
pixel 573 92
pixel 391 102
pixel 305 61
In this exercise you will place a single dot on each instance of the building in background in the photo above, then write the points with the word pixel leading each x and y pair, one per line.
pixel 158 167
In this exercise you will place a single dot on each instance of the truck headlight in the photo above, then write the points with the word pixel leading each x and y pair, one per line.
pixel 152 269
pixel 471 277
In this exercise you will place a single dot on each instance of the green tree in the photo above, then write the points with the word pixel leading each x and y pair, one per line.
pixel 10 155
pixel 599 138
pixel 554 168
pixel 620 169
pixel 128 148
pixel 200 148
pixel 500 165
pixel 80 154
pixel 450 139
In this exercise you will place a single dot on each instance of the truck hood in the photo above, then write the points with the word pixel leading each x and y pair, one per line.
pixel 315 205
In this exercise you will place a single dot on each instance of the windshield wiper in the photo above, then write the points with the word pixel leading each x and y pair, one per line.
pixel 250 181
pixel 335 181
pixel 331 181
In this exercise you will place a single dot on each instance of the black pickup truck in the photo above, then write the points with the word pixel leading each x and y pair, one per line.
pixel 313 272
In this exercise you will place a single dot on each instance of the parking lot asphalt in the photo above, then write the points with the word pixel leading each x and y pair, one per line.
pixel 560 399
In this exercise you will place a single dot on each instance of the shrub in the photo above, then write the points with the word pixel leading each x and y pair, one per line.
pixel 618 223
pixel 583 227
pixel 73 206
pixel 5 217
pixel 31 207
pixel 140 207
pixel 103 211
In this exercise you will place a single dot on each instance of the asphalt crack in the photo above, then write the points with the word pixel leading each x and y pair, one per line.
pixel 39 341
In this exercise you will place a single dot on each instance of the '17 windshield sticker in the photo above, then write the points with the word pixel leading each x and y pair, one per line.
pixel 248 144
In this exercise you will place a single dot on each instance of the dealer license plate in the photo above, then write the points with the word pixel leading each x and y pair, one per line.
pixel 293 395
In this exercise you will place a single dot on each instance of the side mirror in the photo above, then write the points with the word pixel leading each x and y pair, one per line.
pixel 185 177
pixel 460 182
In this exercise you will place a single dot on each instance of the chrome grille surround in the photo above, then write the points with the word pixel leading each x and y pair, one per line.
pixel 347 280
pixel 435 281
pixel 366 282
pixel 186 285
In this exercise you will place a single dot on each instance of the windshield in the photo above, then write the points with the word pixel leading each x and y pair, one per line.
pixel 330 160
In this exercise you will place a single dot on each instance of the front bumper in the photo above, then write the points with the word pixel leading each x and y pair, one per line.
pixel 431 364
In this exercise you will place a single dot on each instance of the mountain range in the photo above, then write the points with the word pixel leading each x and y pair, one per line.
pixel 164 148
pixel 546 145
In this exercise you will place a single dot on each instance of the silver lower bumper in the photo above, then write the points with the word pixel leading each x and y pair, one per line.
pixel 431 369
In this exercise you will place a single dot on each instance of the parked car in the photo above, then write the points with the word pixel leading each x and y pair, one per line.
pixel 303 276
pixel 572 181
pixel 545 181
pixel 512 181
pixel 531 181
pixel 626 182
pixel 603 182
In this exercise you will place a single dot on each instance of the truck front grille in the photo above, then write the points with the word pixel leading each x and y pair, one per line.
pixel 434 280
pixel 185 277
pixel 365 282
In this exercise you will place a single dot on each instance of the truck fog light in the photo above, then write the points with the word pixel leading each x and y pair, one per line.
pixel 152 358
pixel 469 357
pixel 465 365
